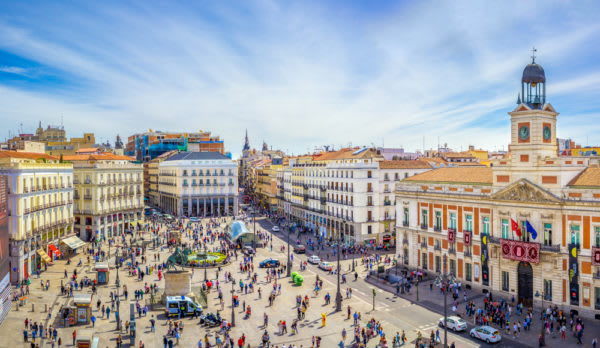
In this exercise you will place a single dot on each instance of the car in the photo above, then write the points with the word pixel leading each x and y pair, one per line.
pixel 454 323
pixel 326 266
pixel 269 263
pixel 183 305
pixel 247 250
pixel 194 219
pixel 300 249
pixel 314 259
pixel 486 333
pixel 275 229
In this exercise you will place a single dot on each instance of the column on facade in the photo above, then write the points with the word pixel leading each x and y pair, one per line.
pixel 235 205
pixel 204 206
pixel 189 206
pixel 226 205
pixel 218 206
pixel 212 209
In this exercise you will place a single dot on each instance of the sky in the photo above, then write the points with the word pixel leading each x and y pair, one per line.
pixel 297 74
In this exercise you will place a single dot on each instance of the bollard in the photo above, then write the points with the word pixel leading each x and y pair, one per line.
pixel 32 308
pixel 45 308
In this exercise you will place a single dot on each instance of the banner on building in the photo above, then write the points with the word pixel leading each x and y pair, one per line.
pixel 595 256
pixel 451 235
pixel 573 275
pixel 485 276
pixel 520 251
pixel 467 238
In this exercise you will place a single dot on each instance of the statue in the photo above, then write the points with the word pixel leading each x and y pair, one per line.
pixel 178 258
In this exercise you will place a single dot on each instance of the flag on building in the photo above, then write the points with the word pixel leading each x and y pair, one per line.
pixel 515 227
pixel 530 229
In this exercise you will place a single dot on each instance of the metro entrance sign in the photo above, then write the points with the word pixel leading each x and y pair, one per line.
pixel 520 251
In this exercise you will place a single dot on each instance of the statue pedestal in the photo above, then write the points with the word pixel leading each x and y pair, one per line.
pixel 178 283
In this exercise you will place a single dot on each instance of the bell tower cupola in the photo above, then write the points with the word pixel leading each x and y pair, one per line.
pixel 533 84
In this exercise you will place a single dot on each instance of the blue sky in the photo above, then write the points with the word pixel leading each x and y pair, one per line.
pixel 298 74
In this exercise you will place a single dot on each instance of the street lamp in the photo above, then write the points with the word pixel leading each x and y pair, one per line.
pixel 338 296
pixel 232 303
pixel 445 283
pixel 289 262
pixel 254 221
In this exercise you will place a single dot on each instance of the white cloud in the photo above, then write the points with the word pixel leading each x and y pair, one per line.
pixel 298 75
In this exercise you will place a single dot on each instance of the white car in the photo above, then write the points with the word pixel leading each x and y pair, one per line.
pixel 454 323
pixel 275 229
pixel 486 333
pixel 326 266
pixel 314 259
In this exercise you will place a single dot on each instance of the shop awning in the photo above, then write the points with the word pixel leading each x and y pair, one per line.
pixel 44 255
pixel 73 242
pixel 54 250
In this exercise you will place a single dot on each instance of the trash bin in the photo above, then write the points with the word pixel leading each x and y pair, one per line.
pixel 294 275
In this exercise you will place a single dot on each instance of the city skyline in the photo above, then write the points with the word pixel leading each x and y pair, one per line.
pixel 298 75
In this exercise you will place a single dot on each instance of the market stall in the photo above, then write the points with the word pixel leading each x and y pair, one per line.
pixel 102 271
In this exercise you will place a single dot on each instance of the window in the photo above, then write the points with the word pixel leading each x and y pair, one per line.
pixel 453 221
pixel 369 230
pixel 485 225
pixel 505 281
pixel 406 220
pixel 597 236
pixel 453 268
pixel 185 173
pixel 575 234
pixel 597 298
pixel 468 272
pixel 438 264
pixel 438 220
pixel 193 182
pixel 547 234
pixel 469 223
pixel 424 218
pixel 194 172
pixel 369 187
pixel 524 233
pixel 505 230
pixel 547 290
pixel 369 174
pixel 184 182
pixel 424 258
pixel 369 216
pixel 406 256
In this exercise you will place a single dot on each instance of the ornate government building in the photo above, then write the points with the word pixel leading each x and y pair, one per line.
pixel 528 226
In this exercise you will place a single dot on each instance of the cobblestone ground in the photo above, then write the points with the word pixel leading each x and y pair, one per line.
pixel 395 314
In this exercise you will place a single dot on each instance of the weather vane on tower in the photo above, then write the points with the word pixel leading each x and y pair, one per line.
pixel 533 50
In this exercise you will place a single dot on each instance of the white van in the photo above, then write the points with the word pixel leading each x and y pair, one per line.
pixel 183 304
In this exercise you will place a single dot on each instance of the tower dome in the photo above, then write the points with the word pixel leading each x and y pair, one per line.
pixel 533 73
pixel 533 84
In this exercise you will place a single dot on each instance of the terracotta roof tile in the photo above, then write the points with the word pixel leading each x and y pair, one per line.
pixel 98 157
pixel 458 175
pixel 26 155
pixel 588 177
pixel 415 164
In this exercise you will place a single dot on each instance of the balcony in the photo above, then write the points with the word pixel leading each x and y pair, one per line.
pixel 452 251
pixel 424 226
pixel 550 248
pixel 596 275
pixel 424 244
pixel 387 203
pixel 468 253
pixel 437 247
pixel 405 223
pixel 437 228
pixel 89 197
pixel 369 204
pixel 405 241
pixel 493 240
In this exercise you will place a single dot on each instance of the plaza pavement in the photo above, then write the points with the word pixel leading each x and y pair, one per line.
pixel 396 314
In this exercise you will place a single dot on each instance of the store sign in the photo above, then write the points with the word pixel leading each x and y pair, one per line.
pixel 451 235
pixel 573 275
pixel 467 238
pixel 595 256
pixel 520 251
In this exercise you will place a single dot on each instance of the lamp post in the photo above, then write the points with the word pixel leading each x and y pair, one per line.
pixel 338 295
pixel 232 303
pixel 254 221
pixel 289 262
pixel 417 286
pixel 446 284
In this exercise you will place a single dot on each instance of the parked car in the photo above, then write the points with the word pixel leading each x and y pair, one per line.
pixel 454 323
pixel 275 229
pixel 486 333
pixel 269 263
pixel 314 259
pixel 326 266
pixel 300 249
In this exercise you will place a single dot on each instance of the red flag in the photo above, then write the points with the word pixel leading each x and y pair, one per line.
pixel 515 227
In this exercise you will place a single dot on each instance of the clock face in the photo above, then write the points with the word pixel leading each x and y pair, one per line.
pixel 524 132
pixel 547 132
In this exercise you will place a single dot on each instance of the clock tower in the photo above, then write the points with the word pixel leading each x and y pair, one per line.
pixel 533 121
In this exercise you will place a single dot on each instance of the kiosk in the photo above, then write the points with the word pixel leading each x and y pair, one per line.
pixel 86 339
pixel 102 271
pixel 78 311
